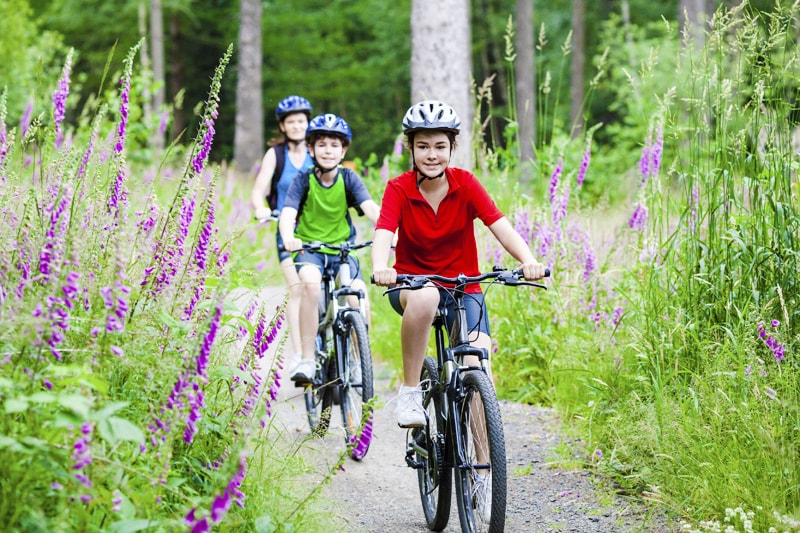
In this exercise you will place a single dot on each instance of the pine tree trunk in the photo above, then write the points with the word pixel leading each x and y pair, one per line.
pixel 525 79
pixel 441 63
pixel 248 139
pixel 577 65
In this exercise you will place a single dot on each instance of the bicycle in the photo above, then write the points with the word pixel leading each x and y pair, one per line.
pixel 463 437
pixel 343 356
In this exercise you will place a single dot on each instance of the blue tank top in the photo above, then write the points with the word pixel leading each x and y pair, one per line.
pixel 288 174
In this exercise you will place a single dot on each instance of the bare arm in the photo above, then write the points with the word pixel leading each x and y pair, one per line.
pixel 515 245
pixel 381 249
pixel 262 185
pixel 286 228
pixel 371 209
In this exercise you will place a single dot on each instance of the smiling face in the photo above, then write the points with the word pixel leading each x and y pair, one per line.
pixel 432 151
pixel 328 151
pixel 294 126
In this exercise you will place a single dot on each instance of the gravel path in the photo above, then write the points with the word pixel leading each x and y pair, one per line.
pixel 380 493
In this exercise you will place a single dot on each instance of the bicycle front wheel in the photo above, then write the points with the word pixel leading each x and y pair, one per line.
pixel 480 460
pixel 319 397
pixel 434 474
pixel 357 385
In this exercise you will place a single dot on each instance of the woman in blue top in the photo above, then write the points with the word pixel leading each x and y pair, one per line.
pixel 291 153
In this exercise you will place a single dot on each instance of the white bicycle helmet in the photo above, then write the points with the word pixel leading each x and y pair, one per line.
pixel 431 115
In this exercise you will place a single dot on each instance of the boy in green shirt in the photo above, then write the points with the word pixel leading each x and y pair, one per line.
pixel 317 209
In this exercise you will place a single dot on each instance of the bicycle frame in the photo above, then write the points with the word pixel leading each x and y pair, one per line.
pixel 334 297
pixel 462 443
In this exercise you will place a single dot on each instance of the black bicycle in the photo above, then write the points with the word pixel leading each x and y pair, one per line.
pixel 463 438
pixel 343 357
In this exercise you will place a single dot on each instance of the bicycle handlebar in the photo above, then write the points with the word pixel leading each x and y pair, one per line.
pixel 341 247
pixel 499 275
pixel 273 217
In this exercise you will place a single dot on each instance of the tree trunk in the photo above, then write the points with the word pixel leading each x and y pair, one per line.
pixel 692 17
pixel 524 74
pixel 157 46
pixel 147 105
pixel 176 71
pixel 577 66
pixel 248 139
pixel 441 63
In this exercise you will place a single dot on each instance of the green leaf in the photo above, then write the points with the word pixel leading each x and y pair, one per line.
pixel 11 444
pixel 43 397
pixel 16 405
pixel 76 403
pixel 114 429
pixel 126 526
pixel 109 409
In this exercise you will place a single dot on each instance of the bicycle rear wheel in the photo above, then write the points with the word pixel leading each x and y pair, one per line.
pixel 434 476
pixel 357 386
pixel 481 480
pixel 319 397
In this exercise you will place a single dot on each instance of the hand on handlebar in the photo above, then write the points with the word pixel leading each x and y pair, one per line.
pixel 384 277
pixel 534 270
pixel 292 245
pixel 263 214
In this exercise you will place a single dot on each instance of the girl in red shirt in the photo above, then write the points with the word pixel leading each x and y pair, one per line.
pixel 433 208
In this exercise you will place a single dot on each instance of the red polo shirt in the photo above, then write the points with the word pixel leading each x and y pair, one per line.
pixel 437 243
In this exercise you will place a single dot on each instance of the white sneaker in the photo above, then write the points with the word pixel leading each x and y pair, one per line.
pixel 304 371
pixel 482 496
pixel 409 410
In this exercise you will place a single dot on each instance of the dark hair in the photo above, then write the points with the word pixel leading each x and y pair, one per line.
pixel 450 135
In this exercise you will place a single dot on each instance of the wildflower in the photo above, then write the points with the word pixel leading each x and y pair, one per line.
pixel 638 220
pixel 205 135
pixel 778 350
pixel 771 393
pixel 657 150
pixel 362 440
pixel 584 163
pixel 82 453
pixel 554 181
pixel 60 98
pixel 25 119
pixel 162 124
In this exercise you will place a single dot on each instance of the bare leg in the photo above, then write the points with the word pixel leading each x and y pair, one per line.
pixel 310 278
pixel 353 301
pixel 293 305
pixel 477 418
pixel 419 308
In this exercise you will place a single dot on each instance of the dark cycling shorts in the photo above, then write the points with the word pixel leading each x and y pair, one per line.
pixel 282 254
pixel 326 262
pixel 477 315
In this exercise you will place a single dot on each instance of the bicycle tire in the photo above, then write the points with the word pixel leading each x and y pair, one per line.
pixel 356 388
pixel 319 398
pixel 478 407
pixel 435 477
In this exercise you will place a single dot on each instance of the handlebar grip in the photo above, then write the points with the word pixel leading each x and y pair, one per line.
pixel 547 272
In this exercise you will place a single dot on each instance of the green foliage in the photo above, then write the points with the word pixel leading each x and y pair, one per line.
pixel 31 57
pixel 135 384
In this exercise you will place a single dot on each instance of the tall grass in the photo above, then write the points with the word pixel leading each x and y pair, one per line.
pixel 673 345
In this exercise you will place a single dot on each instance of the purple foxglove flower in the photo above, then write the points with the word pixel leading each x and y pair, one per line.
pixel 584 164
pixel 60 98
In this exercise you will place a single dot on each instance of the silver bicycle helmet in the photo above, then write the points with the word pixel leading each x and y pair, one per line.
pixel 431 115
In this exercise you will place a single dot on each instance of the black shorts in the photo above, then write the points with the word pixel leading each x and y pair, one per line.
pixel 329 262
pixel 477 314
